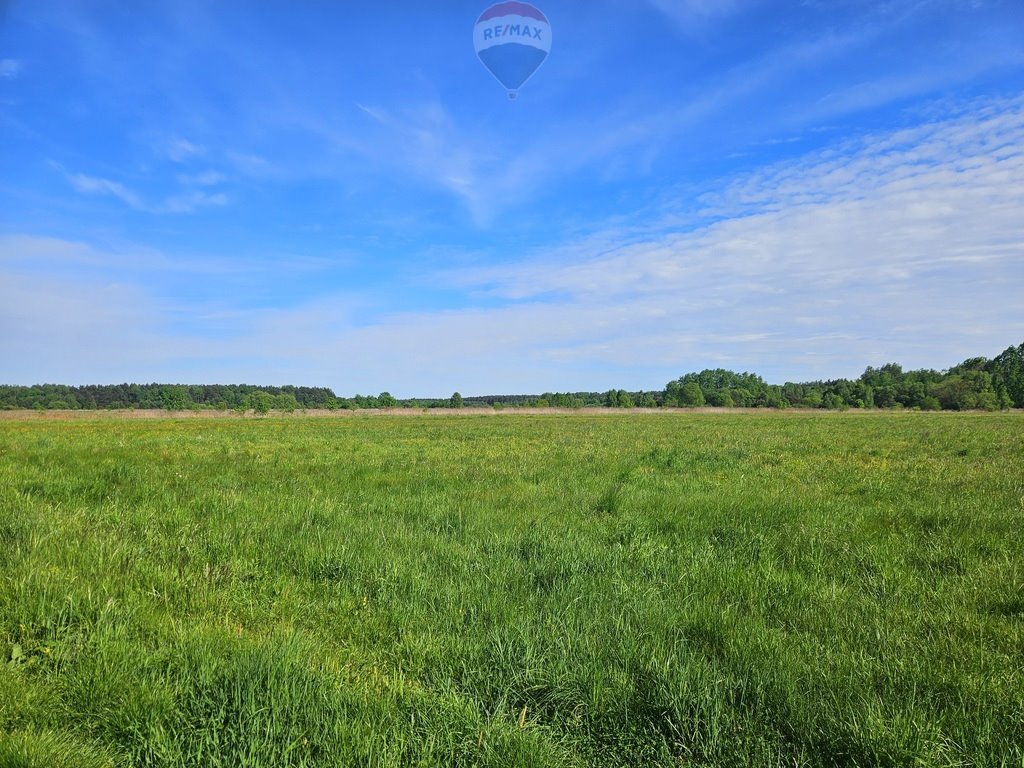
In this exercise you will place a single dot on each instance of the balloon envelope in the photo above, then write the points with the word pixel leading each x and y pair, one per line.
pixel 512 40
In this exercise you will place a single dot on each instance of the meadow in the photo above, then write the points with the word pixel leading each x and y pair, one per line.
pixel 762 589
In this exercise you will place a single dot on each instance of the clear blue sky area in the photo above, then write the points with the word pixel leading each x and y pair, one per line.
pixel 340 194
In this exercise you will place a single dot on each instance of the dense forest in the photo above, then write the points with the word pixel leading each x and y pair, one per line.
pixel 975 384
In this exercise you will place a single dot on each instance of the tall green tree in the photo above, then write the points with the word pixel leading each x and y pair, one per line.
pixel 691 396
pixel 260 401
pixel 721 398
pixel 970 390
pixel 1008 374
pixel 285 402
pixel 174 398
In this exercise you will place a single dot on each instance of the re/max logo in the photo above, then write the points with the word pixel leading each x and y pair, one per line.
pixel 513 30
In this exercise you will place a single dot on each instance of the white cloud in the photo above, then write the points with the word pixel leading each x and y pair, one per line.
pixel 252 165
pixel 881 91
pixel 186 202
pixel 76 331
pixel 947 193
pixel 908 246
pixel 10 68
pixel 685 12
pixel 182 150
pixel 205 179
pixel 20 251
pixel 94 185
pixel 39 257
pixel 193 201
pixel 426 143
pixel 904 246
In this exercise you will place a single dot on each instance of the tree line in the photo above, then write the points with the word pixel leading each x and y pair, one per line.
pixel 171 397
pixel 975 384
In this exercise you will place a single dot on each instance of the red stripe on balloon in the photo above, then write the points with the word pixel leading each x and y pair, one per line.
pixel 512 9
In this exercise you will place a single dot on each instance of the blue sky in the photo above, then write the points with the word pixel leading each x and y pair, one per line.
pixel 339 194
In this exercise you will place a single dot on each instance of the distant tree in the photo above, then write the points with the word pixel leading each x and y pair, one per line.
pixel 565 400
pixel 691 396
pixel 720 398
pixel 646 400
pixel 260 401
pixel 967 391
pixel 721 387
pixel 970 364
pixel 812 398
pixel 976 383
pixel 742 397
pixel 889 373
pixel 284 402
pixel 771 398
pixel 671 398
pixel 834 402
pixel 793 394
pixel 174 398
pixel 1008 374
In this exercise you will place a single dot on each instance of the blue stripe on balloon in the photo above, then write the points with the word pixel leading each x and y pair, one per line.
pixel 512 63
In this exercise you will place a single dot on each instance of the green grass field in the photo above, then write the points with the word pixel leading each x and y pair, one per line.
pixel 547 590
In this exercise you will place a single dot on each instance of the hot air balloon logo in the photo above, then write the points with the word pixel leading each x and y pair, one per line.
pixel 512 40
